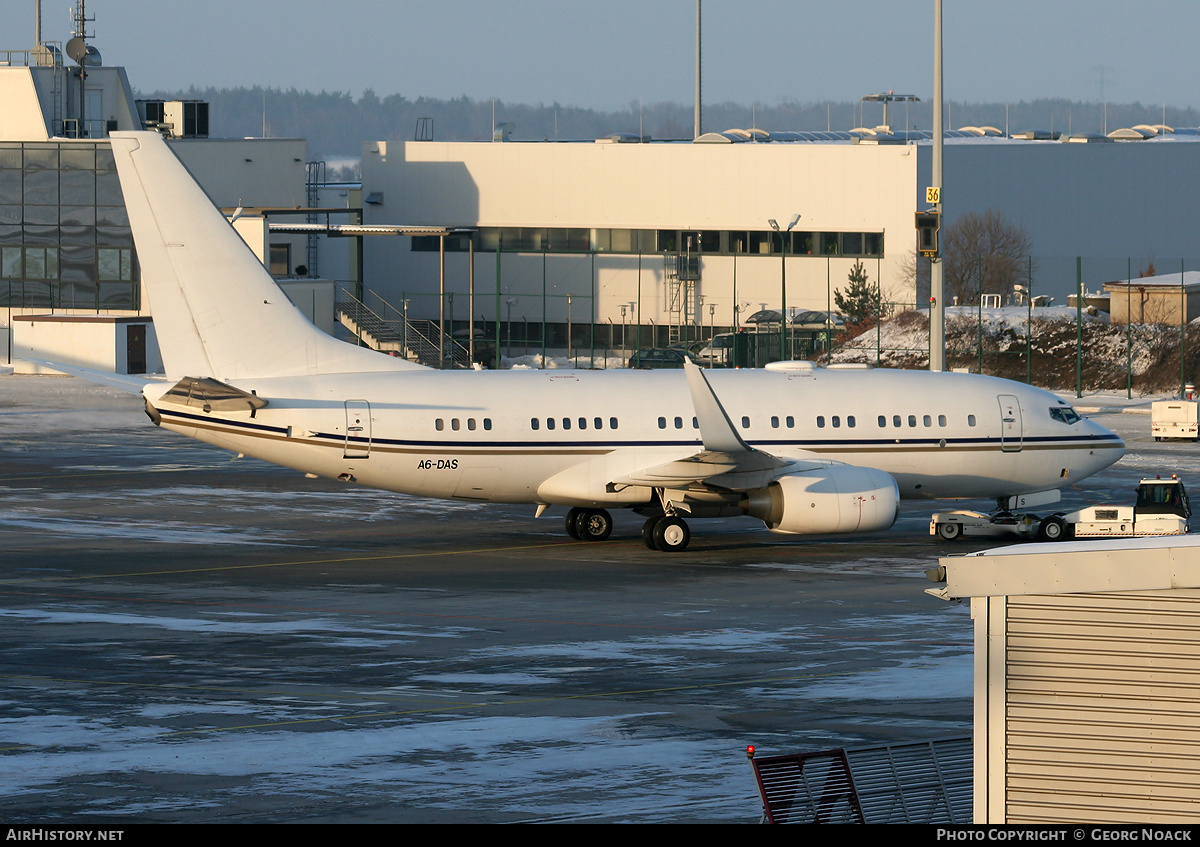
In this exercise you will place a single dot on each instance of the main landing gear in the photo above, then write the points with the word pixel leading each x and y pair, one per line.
pixel 667 533
pixel 589 524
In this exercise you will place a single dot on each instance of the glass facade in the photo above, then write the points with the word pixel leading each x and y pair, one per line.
pixel 65 241
pixel 711 242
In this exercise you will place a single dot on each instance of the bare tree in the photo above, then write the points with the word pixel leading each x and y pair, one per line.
pixel 983 253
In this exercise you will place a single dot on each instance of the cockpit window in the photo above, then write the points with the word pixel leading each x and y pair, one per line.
pixel 1065 414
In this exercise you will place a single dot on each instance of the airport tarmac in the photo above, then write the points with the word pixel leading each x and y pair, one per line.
pixel 190 637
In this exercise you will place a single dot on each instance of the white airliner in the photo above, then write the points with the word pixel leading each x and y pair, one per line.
pixel 804 449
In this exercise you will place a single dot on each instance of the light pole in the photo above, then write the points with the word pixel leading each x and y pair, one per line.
pixel 783 283
pixel 712 332
pixel 508 346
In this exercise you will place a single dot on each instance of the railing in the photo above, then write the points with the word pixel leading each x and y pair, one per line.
pixel 384 327
pixel 925 782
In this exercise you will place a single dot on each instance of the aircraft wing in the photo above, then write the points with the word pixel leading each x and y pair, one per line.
pixel 727 461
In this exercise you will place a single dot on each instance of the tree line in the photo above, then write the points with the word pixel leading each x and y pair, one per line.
pixel 336 124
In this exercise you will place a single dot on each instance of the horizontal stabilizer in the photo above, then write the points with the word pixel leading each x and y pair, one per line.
pixel 122 382
pixel 210 394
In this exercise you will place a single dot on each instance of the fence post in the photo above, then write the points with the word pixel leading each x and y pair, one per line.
pixel 1078 326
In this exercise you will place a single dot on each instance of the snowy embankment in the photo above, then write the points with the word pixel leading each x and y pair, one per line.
pixel 1149 352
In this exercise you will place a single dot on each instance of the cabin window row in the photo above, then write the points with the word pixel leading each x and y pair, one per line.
pixel 457 424
pixel 678 423
pixel 835 421
pixel 569 423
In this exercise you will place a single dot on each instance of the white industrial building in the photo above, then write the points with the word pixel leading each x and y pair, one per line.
pixel 598 232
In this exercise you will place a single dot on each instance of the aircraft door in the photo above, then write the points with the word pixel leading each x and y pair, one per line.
pixel 1011 430
pixel 358 430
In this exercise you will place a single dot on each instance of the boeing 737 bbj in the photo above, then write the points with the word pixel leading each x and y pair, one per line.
pixel 804 449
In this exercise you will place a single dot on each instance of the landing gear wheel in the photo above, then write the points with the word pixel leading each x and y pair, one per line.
pixel 671 535
pixel 648 532
pixel 572 521
pixel 593 524
pixel 950 531
pixel 1052 529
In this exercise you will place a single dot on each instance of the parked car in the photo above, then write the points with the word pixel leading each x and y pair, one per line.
pixel 660 357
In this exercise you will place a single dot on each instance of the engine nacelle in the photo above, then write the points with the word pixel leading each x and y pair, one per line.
pixel 838 498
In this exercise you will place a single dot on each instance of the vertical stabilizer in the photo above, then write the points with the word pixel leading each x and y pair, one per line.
pixel 217 311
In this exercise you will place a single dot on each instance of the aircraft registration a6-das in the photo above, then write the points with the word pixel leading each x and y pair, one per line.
pixel 806 450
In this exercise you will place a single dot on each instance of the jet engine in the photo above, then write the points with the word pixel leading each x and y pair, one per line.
pixel 838 498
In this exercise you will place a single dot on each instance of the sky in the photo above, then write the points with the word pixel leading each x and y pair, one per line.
pixel 613 54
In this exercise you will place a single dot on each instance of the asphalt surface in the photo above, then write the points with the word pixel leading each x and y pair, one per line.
pixel 190 637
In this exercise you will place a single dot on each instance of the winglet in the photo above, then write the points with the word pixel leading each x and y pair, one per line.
pixel 716 429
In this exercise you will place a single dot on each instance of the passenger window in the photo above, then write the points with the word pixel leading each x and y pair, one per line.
pixel 695 423
pixel 662 423
pixel 679 423
pixel 941 420
pixel 882 420
pixel 439 424
pixel 912 420
pixel 745 422
pixel 820 421
pixel 849 420
pixel 566 423
pixel 928 421
pixel 791 422
pixel 534 423
pixel 549 423
pixel 837 421
pixel 471 424
pixel 895 420
pixel 775 421
pixel 612 423
pixel 598 423
pixel 487 423
pixel 970 420
pixel 583 423
pixel 454 424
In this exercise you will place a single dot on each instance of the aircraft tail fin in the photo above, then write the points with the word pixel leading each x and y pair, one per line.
pixel 217 311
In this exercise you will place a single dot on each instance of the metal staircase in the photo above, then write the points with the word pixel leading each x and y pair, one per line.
pixel 385 328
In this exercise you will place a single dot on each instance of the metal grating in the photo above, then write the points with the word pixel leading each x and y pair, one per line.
pixel 926 782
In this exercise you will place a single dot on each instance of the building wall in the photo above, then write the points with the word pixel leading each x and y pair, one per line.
pixel 1118 206
pixel 835 188
pixel 1085 706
